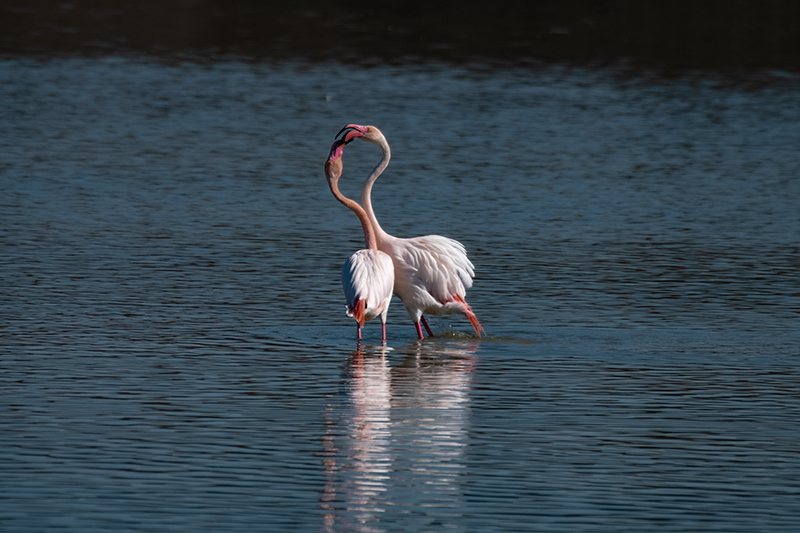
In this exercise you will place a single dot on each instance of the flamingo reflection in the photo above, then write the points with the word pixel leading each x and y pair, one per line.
pixel 396 436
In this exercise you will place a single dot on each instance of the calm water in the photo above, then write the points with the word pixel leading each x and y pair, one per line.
pixel 175 355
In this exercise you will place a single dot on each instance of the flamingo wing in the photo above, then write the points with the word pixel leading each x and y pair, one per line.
pixel 437 264
pixel 368 276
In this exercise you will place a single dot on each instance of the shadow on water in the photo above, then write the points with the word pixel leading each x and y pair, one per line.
pixel 396 435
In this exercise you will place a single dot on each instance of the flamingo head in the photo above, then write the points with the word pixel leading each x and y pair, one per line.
pixel 333 166
pixel 365 133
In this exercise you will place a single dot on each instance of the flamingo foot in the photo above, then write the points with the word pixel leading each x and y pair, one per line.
pixel 427 328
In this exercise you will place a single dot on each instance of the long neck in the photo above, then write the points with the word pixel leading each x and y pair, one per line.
pixel 369 235
pixel 366 189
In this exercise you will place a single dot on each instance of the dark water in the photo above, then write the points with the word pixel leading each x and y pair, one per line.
pixel 175 354
pixel 735 38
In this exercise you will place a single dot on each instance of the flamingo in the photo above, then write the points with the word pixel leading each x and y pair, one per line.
pixel 432 273
pixel 368 275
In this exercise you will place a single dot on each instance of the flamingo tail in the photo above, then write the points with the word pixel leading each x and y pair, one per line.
pixel 357 311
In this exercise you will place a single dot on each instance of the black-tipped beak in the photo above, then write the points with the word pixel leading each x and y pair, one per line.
pixel 345 129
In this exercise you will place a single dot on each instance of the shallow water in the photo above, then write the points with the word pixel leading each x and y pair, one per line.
pixel 175 354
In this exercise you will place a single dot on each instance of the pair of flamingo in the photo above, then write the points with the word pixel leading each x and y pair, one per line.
pixel 430 274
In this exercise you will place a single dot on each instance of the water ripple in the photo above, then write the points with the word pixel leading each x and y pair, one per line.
pixel 174 353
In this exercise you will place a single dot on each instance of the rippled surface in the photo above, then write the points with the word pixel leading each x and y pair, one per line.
pixel 175 354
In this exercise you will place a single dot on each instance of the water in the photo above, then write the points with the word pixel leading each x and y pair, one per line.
pixel 175 354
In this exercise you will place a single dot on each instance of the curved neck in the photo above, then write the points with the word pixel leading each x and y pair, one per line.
pixel 366 189
pixel 369 235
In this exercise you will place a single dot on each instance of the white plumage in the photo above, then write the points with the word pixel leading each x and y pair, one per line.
pixel 368 276
pixel 430 272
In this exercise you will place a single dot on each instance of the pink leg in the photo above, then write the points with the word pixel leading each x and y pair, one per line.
pixel 383 325
pixel 358 329
pixel 425 323
pixel 419 330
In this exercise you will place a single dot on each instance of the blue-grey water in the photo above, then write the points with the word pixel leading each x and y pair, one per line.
pixel 174 354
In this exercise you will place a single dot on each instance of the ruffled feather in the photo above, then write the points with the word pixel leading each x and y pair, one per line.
pixel 368 276
pixel 435 263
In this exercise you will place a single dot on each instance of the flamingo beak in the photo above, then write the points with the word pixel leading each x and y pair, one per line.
pixel 346 130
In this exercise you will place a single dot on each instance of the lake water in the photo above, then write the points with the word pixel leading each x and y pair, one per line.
pixel 175 354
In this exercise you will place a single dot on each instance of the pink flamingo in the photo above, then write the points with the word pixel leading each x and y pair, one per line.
pixel 368 275
pixel 432 273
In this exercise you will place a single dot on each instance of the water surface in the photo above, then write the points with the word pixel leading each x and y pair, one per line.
pixel 175 354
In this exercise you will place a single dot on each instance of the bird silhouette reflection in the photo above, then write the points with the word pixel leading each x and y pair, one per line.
pixel 396 435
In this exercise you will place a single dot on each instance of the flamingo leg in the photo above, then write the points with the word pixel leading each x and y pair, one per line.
pixel 383 326
pixel 358 330
pixel 428 329
pixel 419 330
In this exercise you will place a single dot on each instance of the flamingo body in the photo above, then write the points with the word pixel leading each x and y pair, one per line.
pixel 367 279
pixel 432 274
